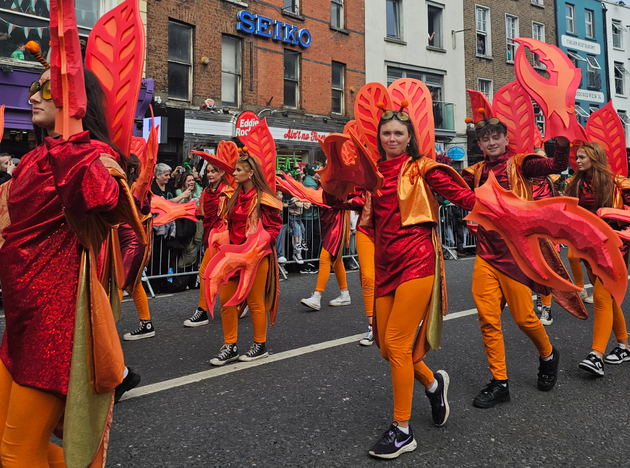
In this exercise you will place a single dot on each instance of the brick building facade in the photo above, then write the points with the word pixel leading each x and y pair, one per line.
pixel 298 65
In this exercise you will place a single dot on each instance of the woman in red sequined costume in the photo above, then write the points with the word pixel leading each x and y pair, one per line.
pixel 253 200
pixel 596 187
pixel 407 260
pixel 57 188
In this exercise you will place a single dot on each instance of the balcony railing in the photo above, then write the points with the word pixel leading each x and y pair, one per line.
pixel 594 81
pixel 444 115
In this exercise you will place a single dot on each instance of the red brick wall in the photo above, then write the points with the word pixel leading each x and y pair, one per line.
pixel 213 18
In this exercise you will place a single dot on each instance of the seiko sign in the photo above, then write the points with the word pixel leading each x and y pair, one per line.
pixel 276 30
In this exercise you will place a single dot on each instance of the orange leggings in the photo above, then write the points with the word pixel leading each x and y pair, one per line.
pixel 202 279
pixel 545 300
pixel 325 260
pixel 398 316
pixel 576 269
pixel 365 249
pixel 608 316
pixel 255 301
pixel 27 420
pixel 489 287
pixel 141 301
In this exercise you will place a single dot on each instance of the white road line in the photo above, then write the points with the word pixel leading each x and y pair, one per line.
pixel 230 368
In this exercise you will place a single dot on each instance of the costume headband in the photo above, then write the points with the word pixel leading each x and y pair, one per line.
pixel 33 48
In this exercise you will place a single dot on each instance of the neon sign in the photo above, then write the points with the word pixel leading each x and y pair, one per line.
pixel 276 30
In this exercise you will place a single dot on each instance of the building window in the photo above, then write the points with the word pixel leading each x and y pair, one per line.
pixel 617 34
pixel 393 19
pixel 511 32
pixel 292 6
pixel 485 86
pixel 625 120
pixel 569 13
pixel 589 19
pixel 538 33
pixel 539 118
pixel 538 2
pixel 594 78
pixel 338 72
pixel 434 14
pixel 291 79
pixel 231 71
pixel 179 60
pixel 620 79
pixel 336 14
pixel 433 81
pixel 482 17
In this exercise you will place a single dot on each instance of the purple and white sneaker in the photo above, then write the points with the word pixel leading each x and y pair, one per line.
pixel 439 400
pixel 393 443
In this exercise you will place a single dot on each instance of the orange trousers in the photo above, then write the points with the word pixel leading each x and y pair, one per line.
pixel 27 420
pixel 365 250
pixel 608 316
pixel 545 300
pixel 255 301
pixel 325 259
pixel 140 300
pixel 576 269
pixel 202 279
pixel 398 316
pixel 489 287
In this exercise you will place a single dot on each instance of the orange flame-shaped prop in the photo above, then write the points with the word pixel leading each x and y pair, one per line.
pixel 618 215
pixel 297 189
pixel 555 95
pixel 521 223
pixel 260 144
pixel 1 121
pixel 232 259
pixel 147 163
pixel 604 127
pixel 513 106
pixel 224 159
pixel 167 211
pixel 479 102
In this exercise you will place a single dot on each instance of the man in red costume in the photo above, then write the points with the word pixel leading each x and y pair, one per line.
pixel 497 277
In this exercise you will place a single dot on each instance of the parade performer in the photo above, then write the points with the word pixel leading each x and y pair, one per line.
pixel 596 187
pixel 409 274
pixel 213 199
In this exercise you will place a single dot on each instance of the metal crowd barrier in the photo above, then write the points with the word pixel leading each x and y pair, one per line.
pixel 451 226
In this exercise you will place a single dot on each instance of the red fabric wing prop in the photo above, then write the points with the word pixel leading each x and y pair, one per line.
pixel 513 106
pixel 297 189
pixel 260 144
pixel 521 223
pixel 604 127
pixel 478 100
pixel 115 53
pixel 555 95
pixel 232 259
pixel 367 115
pixel 167 211
pixel 66 69
pixel 2 119
pixel 420 109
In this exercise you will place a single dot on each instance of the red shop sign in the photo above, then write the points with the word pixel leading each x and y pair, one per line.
pixel 245 121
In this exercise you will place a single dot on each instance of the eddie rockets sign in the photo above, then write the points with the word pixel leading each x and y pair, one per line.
pixel 245 121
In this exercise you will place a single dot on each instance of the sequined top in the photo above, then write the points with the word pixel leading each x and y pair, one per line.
pixel 210 202
pixel 39 261
pixel 271 218
pixel 402 252
pixel 333 222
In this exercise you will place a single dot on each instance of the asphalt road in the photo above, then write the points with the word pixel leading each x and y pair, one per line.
pixel 321 399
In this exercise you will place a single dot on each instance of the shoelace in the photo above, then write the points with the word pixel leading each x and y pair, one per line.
pixel 224 352
pixel 254 349
pixel 138 330
pixel 196 315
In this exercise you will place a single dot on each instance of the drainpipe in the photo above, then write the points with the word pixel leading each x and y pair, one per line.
pixel 604 11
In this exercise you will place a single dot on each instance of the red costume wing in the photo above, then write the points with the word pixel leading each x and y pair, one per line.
pixel 555 95
pixel 138 147
pixel 2 119
pixel 521 223
pixel 260 144
pixel 513 106
pixel 604 127
pixel 147 165
pixel 420 106
pixel 66 70
pixel 167 211
pixel 478 101
pixel 224 159
pixel 367 115
pixel 369 178
pixel 115 53
pixel 339 175
pixel 232 259
pixel 297 189
pixel 619 215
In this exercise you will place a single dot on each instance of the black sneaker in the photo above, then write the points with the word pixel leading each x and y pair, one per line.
pixel 617 356
pixel 548 371
pixel 256 351
pixel 497 391
pixel 539 303
pixel 545 316
pixel 227 353
pixel 145 330
pixel 393 443
pixel 200 317
pixel 129 382
pixel 593 364
pixel 438 399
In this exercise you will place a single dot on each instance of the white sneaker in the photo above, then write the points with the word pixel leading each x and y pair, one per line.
pixel 342 300
pixel 583 295
pixel 282 259
pixel 244 313
pixel 588 300
pixel 298 258
pixel 314 302
pixel 368 339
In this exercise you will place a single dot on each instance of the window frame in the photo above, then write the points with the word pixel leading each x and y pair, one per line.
pixel 190 64
pixel 537 63
pixel 296 80
pixel 341 10
pixel 540 3
pixel 571 19
pixel 295 9
pixel 238 74
pixel 487 33
pixel 397 17
pixel 438 42
pixel 618 67
pixel 509 41
pixel 588 12
pixel 342 74
pixel 616 24
pixel 490 83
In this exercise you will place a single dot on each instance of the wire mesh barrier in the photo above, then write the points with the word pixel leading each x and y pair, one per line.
pixel 453 231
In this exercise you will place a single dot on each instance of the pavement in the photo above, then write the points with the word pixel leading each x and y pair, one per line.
pixel 321 399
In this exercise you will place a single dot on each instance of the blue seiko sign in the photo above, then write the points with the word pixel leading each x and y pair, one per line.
pixel 266 27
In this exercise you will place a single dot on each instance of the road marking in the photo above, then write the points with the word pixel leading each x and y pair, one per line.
pixel 159 296
pixel 230 368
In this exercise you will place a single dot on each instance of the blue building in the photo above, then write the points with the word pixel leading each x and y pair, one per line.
pixel 581 35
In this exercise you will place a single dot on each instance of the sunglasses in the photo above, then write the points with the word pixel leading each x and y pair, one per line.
pixel 389 115
pixel 42 88
pixel 490 121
